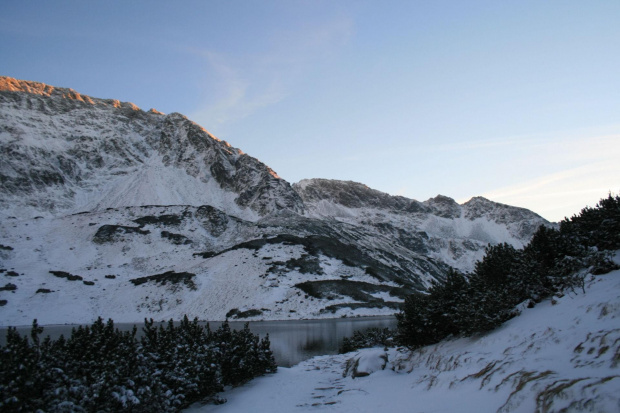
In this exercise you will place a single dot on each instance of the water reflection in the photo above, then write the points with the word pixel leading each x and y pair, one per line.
pixel 291 341
pixel 314 345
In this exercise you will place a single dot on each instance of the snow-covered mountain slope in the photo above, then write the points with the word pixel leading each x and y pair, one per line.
pixel 439 228
pixel 63 152
pixel 166 261
pixel 561 356
pixel 161 219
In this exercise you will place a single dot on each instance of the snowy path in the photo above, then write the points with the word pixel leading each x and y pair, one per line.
pixel 315 383
pixel 318 385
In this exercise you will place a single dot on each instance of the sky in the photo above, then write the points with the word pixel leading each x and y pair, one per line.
pixel 515 101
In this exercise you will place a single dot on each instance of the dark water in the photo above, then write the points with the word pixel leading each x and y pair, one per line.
pixel 291 341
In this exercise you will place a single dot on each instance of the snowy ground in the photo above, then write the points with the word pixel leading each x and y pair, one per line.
pixel 562 354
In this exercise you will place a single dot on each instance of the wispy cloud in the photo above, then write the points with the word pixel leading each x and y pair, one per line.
pixel 585 170
pixel 241 89
pixel 244 84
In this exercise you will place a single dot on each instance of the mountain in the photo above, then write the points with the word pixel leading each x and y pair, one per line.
pixel 110 210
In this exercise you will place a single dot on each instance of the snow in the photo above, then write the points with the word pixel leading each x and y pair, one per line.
pixel 551 357
pixel 241 278
pixel 157 184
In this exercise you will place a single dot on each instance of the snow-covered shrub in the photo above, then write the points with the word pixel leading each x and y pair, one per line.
pixel 99 368
pixel 184 358
pixel 365 363
pixel 242 356
pixel 371 337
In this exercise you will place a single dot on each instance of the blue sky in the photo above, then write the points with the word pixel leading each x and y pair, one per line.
pixel 517 101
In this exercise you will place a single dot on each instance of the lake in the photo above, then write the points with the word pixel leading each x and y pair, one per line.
pixel 292 341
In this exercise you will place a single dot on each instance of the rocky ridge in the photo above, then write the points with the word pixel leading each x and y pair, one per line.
pixel 64 152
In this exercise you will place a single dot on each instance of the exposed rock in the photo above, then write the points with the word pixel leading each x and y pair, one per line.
pixel 111 233
pixel 444 207
pixel 212 219
pixel 353 195
pixel 166 220
pixel 68 276
pixel 9 287
pixel 176 239
pixel 167 277
pixel 235 313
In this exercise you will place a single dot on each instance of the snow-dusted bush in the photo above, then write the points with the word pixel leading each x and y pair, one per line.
pixel 371 337
pixel 242 356
pixel 98 368
pixel 597 227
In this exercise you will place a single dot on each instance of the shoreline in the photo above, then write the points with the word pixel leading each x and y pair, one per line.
pixel 245 320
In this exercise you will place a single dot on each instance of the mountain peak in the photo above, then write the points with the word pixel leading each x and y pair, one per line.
pixel 479 200
pixel 9 84
pixel 77 153
pixel 350 194
pixel 444 206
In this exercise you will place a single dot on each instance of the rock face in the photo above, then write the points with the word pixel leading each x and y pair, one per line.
pixel 158 218
pixel 65 152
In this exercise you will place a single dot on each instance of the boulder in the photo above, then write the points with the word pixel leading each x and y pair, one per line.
pixel 366 363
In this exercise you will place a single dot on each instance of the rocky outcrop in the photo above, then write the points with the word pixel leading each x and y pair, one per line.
pixel 351 194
